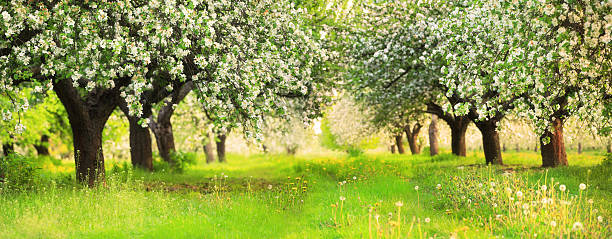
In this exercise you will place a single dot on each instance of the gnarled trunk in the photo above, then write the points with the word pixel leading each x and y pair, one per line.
pixel 221 147
pixel 490 141
pixel 42 147
pixel 433 136
pixel 553 153
pixel 399 144
pixel 412 135
pixel 87 118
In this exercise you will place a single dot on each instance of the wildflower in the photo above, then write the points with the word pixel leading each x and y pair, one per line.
pixel 498 216
pixel 439 186
pixel 525 206
pixel 480 185
pixel 519 194
pixel 416 188
pixel 577 226
pixel 494 204
pixel 399 204
pixel 343 182
pixel 354 178
pixel 562 188
pixel 492 184
pixel 599 218
pixel 582 186
pixel 427 220
pixel 342 198
pixel 509 190
pixel 553 224
pixel 270 186
pixel 590 201
pixel 544 187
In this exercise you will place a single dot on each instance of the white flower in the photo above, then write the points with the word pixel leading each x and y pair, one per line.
pixel 577 226
pixel 416 188
pixel 562 188
pixel 342 198
pixel 544 187
pixel 519 194
pixel 492 184
pixel 599 218
pixel 427 220
pixel 269 186
pixel 439 186
pixel 553 224
pixel 399 204
pixel 19 128
pixel 582 186
pixel 354 178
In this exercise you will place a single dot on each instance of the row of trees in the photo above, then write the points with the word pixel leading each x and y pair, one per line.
pixel 480 61
pixel 244 60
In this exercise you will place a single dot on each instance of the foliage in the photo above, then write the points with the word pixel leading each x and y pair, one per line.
pixel 18 172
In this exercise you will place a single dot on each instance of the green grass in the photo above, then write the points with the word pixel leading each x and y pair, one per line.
pixel 305 199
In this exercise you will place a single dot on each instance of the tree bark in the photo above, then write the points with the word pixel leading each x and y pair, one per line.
pixel 458 125
pixel 553 153
pixel 503 147
pixel 208 149
pixel 162 127
pixel 535 149
pixel 42 148
pixel 8 148
pixel 609 148
pixel 433 136
pixel 518 148
pixel 221 147
pixel 579 148
pixel 393 149
pixel 490 141
pixel 141 149
pixel 87 118
pixel 399 144
pixel 458 128
pixel 412 135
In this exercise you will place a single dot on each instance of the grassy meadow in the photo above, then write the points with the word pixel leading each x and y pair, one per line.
pixel 323 196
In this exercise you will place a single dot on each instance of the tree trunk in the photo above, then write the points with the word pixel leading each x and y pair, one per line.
pixel 609 148
pixel 399 144
pixel 535 149
pixel 503 147
pixel 518 148
pixel 42 148
pixel 579 148
pixel 208 149
pixel 433 136
pixel 87 118
pixel 412 136
pixel 221 147
pixel 141 149
pixel 458 128
pixel 393 149
pixel 164 136
pixel 553 153
pixel 8 148
pixel 162 128
pixel 490 141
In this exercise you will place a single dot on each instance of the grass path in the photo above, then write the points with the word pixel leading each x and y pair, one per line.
pixel 316 197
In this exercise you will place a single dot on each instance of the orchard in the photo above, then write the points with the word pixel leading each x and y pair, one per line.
pixel 249 118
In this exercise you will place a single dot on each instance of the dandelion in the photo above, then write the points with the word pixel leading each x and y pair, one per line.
pixel 498 216
pixel 416 188
pixel 519 194
pixel 354 178
pixel 582 186
pixel 399 204
pixel 269 186
pixel 494 204
pixel 427 220
pixel 562 188
pixel 342 198
pixel 577 226
pixel 343 182
pixel 599 218
pixel 439 186
pixel 553 224
pixel 492 184
pixel 544 188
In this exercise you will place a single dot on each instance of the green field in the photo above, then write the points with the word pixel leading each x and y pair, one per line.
pixel 332 196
